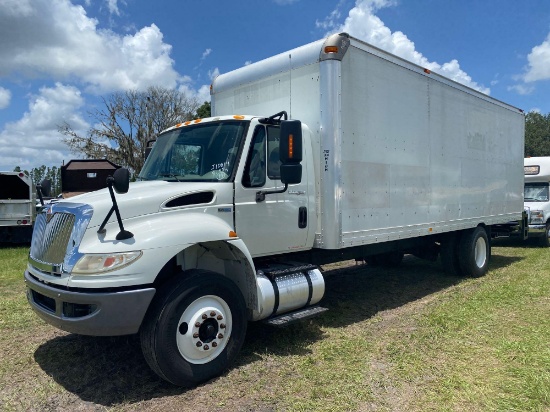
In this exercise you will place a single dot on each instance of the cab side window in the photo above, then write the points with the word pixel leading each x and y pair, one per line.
pixel 255 167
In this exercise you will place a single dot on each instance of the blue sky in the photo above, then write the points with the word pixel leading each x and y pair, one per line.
pixel 58 57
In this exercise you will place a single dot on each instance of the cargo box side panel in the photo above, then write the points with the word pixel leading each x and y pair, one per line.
pixel 476 149
pixel 385 145
pixel 420 156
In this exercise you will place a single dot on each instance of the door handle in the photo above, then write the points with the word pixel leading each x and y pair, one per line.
pixel 302 217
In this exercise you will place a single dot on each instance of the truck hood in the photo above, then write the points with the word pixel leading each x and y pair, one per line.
pixel 537 205
pixel 152 197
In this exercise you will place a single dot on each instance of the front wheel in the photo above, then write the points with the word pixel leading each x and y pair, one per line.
pixel 195 328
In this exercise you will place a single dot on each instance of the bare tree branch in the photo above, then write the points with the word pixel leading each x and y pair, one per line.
pixel 127 122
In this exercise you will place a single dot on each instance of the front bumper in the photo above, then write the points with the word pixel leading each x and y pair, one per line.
pixel 537 230
pixel 89 313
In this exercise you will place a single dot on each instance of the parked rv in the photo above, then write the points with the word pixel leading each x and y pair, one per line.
pixel 335 150
pixel 536 197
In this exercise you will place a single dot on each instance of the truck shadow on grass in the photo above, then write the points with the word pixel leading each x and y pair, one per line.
pixel 110 371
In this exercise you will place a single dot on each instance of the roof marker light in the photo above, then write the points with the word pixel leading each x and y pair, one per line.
pixel 238 117
pixel 427 71
pixel 331 49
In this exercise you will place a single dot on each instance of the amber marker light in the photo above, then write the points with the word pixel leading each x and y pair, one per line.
pixel 331 49
pixel 427 71
pixel 290 146
pixel 198 120
pixel 238 117
pixel 187 123
pixel 232 233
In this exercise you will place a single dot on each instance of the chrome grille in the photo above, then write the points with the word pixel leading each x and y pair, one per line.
pixel 58 231
pixel 50 239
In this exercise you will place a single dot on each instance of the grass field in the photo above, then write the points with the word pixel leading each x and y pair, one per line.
pixel 404 339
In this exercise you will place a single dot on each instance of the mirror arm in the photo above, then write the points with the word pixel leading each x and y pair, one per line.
pixel 260 196
pixel 123 234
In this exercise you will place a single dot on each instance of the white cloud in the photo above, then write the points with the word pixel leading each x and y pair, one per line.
pixel 539 62
pixel 34 140
pixel 363 24
pixel 54 38
pixel 522 89
pixel 206 53
pixel 213 73
pixel 113 7
pixel 5 98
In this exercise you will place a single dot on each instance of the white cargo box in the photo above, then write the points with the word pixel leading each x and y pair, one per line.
pixel 400 151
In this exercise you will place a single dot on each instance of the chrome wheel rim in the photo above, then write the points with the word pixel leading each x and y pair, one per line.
pixel 204 329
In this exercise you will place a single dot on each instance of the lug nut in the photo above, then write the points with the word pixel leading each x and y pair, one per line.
pixel 220 335
pixel 204 316
pixel 195 335
pixel 212 314
pixel 206 347
pixel 197 324
pixel 220 317
pixel 199 344
pixel 214 344
pixel 222 326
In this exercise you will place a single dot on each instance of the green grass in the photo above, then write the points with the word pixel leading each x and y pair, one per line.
pixel 408 338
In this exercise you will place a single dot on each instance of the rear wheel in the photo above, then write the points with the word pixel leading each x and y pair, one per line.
pixel 474 252
pixel 195 328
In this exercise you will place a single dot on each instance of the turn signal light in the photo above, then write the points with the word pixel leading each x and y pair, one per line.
pixel 290 146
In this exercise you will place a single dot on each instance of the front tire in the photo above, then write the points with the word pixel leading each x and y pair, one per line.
pixel 474 252
pixel 194 328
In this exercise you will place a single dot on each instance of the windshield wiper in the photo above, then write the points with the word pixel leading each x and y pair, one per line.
pixel 171 175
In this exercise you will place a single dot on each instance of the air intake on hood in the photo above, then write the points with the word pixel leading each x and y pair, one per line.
pixel 191 199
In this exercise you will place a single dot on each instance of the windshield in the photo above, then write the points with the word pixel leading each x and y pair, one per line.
pixel 536 192
pixel 202 152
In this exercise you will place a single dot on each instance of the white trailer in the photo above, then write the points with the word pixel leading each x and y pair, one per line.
pixel 233 214
pixel 537 199
pixel 17 207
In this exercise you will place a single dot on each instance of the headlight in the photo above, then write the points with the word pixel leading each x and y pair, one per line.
pixel 537 216
pixel 97 264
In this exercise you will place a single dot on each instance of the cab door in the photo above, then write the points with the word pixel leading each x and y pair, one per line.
pixel 279 222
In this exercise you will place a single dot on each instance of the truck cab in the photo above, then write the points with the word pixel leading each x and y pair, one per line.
pixel 537 197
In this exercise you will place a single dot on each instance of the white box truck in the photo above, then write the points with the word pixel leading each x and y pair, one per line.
pixel 536 197
pixel 335 150
pixel 17 207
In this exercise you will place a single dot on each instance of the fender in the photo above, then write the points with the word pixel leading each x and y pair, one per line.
pixel 181 235
pixel 158 231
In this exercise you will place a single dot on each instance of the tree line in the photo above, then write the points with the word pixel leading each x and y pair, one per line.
pixel 128 120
